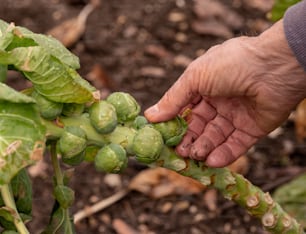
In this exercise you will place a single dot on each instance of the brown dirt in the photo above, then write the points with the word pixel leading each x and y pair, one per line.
pixel 118 39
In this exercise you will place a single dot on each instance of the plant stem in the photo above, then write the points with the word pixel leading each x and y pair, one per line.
pixel 60 181
pixel 3 73
pixel 10 203
pixel 56 165
pixel 234 187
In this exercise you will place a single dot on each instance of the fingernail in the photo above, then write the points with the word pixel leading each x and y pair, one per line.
pixel 152 110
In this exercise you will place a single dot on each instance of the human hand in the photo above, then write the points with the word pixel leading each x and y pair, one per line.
pixel 237 92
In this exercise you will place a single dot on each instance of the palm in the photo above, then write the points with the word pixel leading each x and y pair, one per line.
pixel 224 128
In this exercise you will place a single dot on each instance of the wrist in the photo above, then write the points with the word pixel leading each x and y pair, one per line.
pixel 278 62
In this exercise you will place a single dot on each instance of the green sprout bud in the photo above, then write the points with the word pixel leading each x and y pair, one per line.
pixel 111 158
pixel 126 106
pixel 48 109
pixel 73 109
pixel 147 144
pixel 64 195
pixel 72 142
pixel 172 130
pixel 103 117
pixel 140 122
pixel 123 136
pixel 74 160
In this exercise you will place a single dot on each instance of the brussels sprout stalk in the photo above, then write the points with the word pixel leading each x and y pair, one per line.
pixel 120 135
pixel 236 188
pixel 233 186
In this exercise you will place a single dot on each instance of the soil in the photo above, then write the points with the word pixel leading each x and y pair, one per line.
pixel 142 47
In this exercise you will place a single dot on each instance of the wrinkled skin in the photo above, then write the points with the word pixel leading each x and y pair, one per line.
pixel 238 92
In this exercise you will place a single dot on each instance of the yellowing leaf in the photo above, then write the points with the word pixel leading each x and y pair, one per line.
pixel 22 138
pixel 161 182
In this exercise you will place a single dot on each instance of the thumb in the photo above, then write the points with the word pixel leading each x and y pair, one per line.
pixel 173 101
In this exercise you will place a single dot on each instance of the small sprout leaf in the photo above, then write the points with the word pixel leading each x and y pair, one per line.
pixel 48 109
pixel 172 130
pixel 74 160
pixel 73 109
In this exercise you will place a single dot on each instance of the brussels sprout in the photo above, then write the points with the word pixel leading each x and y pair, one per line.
pixel 172 130
pixel 123 136
pixel 126 106
pixel 147 144
pixel 140 122
pixel 48 109
pixel 72 142
pixel 111 158
pixel 74 160
pixel 73 109
pixel 103 117
pixel 64 195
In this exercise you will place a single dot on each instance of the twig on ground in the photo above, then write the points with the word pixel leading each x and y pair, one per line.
pixel 88 211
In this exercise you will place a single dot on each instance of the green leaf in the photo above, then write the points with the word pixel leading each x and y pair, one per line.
pixel 59 223
pixel 50 77
pixel 9 232
pixel 53 46
pixel 22 191
pixel 6 38
pixel 292 197
pixel 280 7
pixel 6 220
pixel 7 214
pixel 11 95
pixel 3 27
pixel 22 138
pixel 22 37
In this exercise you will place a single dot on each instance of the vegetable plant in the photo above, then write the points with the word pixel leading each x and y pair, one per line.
pixel 63 114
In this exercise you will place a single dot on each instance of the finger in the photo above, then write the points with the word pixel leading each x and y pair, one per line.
pixel 183 148
pixel 236 145
pixel 215 133
pixel 177 97
pixel 196 125
pixel 204 110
